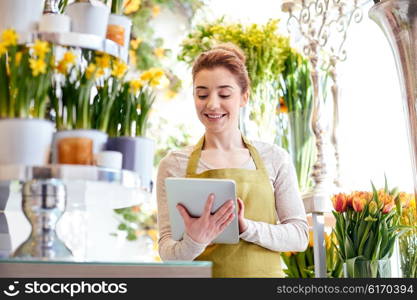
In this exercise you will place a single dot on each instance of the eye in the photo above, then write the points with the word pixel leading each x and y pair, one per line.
pixel 224 96
pixel 202 97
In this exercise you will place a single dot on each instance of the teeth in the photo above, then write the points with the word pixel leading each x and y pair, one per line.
pixel 215 116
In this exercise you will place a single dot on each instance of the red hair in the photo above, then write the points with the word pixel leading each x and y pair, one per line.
pixel 228 56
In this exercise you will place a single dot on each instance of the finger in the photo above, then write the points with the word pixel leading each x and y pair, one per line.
pixel 225 216
pixel 228 206
pixel 209 205
pixel 184 213
pixel 241 206
pixel 227 222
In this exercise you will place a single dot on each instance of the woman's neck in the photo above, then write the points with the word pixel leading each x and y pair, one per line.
pixel 223 141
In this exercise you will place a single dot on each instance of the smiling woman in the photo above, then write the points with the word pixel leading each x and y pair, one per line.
pixel 265 180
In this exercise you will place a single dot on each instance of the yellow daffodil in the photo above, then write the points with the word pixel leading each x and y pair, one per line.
pixel 41 48
pixel 156 9
pixel 9 37
pixel 146 76
pixel 62 67
pixel 3 48
pixel 134 44
pixel 132 58
pixel 103 61
pixel 18 57
pixel 154 82
pixel 90 71
pixel 38 66
pixel 157 72
pixel 119 69
pixel 135 85
pixel 100 72
pixel 131 6
pixel 159 52
pixel 69 58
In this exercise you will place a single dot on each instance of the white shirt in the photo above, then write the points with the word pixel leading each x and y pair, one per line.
pixel 291 232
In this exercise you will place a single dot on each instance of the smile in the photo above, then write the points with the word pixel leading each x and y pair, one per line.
pixel 215 116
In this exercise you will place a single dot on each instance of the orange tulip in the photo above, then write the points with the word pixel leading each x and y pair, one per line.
pixel 340 202
pixel 349 200
pixel 358 203
pixel 388 207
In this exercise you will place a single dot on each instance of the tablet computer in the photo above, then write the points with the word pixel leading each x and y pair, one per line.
pixel 193 194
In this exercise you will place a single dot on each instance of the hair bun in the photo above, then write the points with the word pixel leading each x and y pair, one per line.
pixel 229 47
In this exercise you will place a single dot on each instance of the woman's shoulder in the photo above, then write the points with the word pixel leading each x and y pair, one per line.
pixel 176 158
pixel 271 151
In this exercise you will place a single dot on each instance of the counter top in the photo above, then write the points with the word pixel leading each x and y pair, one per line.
pixel 15 268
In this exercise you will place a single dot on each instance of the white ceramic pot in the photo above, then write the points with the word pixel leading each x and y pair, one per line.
pixel 138 155
pixel 122 22
pixel 21 15
pixel 54 23
pixel 99 139
pixel 90 18
pixel 109 159
pixel 25 141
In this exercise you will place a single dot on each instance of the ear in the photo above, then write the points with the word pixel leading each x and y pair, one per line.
pixel 245 98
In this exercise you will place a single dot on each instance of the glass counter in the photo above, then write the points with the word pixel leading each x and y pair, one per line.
pixel 15 268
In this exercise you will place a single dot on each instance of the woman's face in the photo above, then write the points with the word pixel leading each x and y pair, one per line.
pixel 218 98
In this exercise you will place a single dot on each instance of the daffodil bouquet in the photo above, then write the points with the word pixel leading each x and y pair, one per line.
pixel 85 89
pixel 301 264
pixel 367 226
pixel 25 77
pixel 133 104
pixel 408 241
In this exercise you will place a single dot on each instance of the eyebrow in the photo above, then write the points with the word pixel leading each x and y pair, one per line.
pixel 219 87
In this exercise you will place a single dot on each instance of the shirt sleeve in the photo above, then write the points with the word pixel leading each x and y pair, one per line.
pixel 187 248
pixel 291 234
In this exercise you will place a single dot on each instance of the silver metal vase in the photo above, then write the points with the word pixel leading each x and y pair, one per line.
pixel 43 203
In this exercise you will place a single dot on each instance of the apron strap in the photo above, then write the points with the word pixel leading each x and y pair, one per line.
pixel 195 157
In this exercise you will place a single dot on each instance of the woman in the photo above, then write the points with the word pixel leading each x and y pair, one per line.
pixel 265 178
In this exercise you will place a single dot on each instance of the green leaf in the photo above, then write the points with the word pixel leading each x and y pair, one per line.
pixel 122 226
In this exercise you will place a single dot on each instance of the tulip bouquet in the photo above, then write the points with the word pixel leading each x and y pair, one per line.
pixel 367 226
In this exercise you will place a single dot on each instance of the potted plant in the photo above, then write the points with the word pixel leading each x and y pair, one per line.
pixel 88 16
pixel 119 26
pixel 78 112
pixel 129 122
pixel 367 226
pixel 21 15
pixel 25 79
pixel 52 20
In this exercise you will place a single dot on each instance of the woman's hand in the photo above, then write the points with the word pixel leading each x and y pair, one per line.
pixel 242 221
pixel 207 227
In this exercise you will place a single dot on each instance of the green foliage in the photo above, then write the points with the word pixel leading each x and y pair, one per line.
pixel 265 50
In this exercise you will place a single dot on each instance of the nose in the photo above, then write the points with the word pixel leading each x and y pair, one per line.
pixel 213 102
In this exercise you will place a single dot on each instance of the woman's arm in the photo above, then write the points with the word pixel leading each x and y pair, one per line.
pixel 292 232
pixel 186 249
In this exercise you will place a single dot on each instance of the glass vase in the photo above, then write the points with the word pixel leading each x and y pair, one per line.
pixel 356 268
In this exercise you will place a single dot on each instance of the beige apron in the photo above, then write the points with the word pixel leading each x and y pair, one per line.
pixel 254 188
